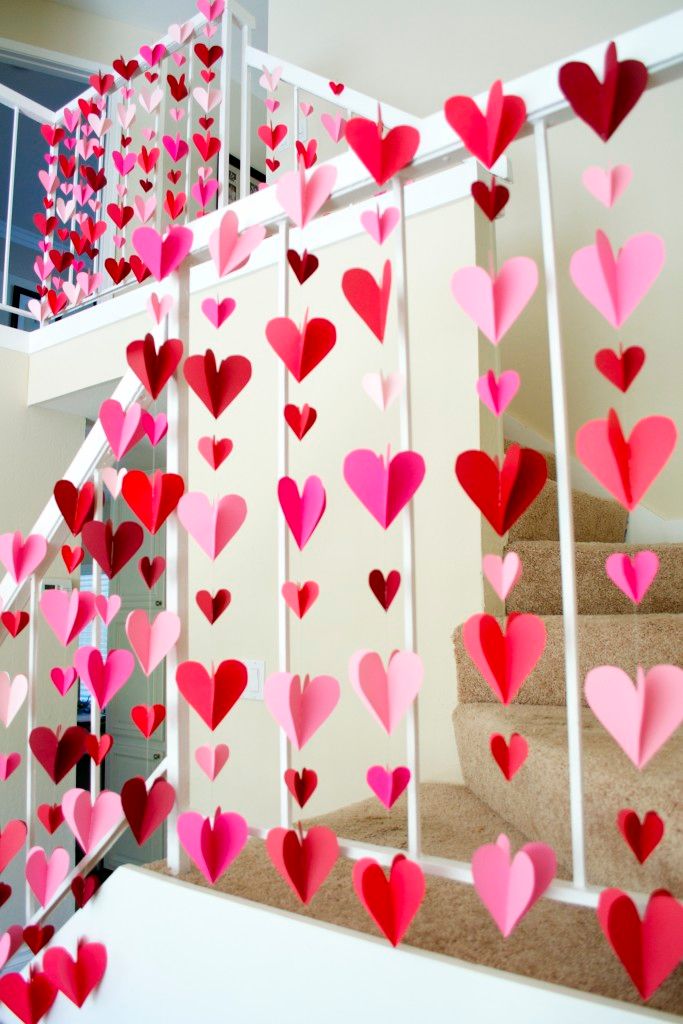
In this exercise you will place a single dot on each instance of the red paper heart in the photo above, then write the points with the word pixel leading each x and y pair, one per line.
pixel 146 811
pixel 302 785
pixel 272 165
pixel 502 493
pixel 271 135
pixel 300 420
pixel 214 450
pixel 391 902
pixel 12 838
pixel 643 837
pixel 148 717
pixel 604 105
pixel 29 999
pixel 336 87
pixel 97 747
pixel 5 893
pixel 486 136
pixel 301 349
pixel 72 557
pixel 300 598
pixel 14 622
pixel 37 937
pixel 112 549
pixel 385 589
pixel 118 270
pixel 151 570
pixel 154 369
pixel 304 265
pixel 382 155
pixel 139 268
pixel 216 386
pixel 505 658
pixel 213 605
pixel 84 889
pixel 207 145
pixel 509 756
pixel 77 506
pixel 152 499
pixel 125 68
pixel 56 753
pixel 76 979
pixel 620 368
pixel 304 862
pixel 369 299
pixel 212 694
pixel 649 949
pixel 50 816
pixel 491 199
pixel 208 55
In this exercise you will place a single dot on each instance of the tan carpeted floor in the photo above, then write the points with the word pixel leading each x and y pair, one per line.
pixel 555 942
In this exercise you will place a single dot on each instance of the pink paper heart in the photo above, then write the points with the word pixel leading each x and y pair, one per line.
pixel 502 573
pixel 63 678
pixel 162 255
pixel 13 693
pixel 211 524
pixel 497 392
pixel 387 785
pixel 10 941
pixel 152 641
pixel 640 717
pixel 145 208
pixel 508 889
pixel 91 822
pixel 203 191
pixel 633 574
pixel 107 607
pixel 180 33
pixel 103 678
pixel 22 557
pixel 302 198
pixel 383 485
pixel 155 427
pixel 159 306
pixel 300 708
pixel 122 427
pixel 67 613
pixel 386 693
pixel 383 391
pixel 334 125
pixel 113 479
pixel 45 875
pixel 230 249
pixel 505 658
pixel 218 312
pixel 380 225
pixel 8 765
pixel 212 845
pixel 495 302
pixel 178 58
pixel 616 285
pixel 270 79
pixel 212 760
pixel 607 185
pixel 271 104
pixel 302 511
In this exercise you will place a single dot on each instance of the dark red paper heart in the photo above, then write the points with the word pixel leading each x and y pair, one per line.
pixel 146 811
pixel 385 589
pixel 302 785
pixel 36 937
pixel 304 265
pixel 14 622
pixel 112 549
pixel 491 199
pixel 154 368
pixel 620 368
pixel 84 889
pixel 213 605
pixel 642 837
pixel 58 753
pixel 217 386
pixel 603 105
pixel 151 570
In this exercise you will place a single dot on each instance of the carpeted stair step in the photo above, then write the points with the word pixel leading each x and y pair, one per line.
pixel 549 457
pixel 536 800
pixel 539 589
pixel 595 519
pixel 619 640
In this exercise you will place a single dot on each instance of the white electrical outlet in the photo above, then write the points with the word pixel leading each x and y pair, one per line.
pixel 256 675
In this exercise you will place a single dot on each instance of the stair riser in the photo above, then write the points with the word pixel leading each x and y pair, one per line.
pixel 595 519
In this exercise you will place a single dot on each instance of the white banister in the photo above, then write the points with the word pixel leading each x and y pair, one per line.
pixel 10 203
pixel 28 107
pixel 31 721
pixel 222 198
pixel 245 117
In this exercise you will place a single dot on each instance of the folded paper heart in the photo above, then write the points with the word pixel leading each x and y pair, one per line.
pixel 13 693
pixel 63 678
pixel 44 874
pixel 387 784
pixel 78 978
pixel 72 557
pixel 212 524
pixel 212 694
pixel 633 574
pixel 507 887
pixel 151 569
pixel 301 349
pixel 77 506
pixel 303 861
pixel 385 588
pixel 616 285
pixel 497 392
pixel 21 557
pixel 502 493
pixel 300 707
pixel 10 941
pixel 603 105
pixel 112 548
pixel 302 785
pixel 380 225
pixel 302 511
pixel 155 427
pixel 91 821
pixel 30 999
pixel 642 837
pixel 488 135
pixel 162 254
pixel 640 717
pixel 509 756
pixel 620 368
pixel 103 678
pixel 230 249
pixel 15 622
pixel 212 760
pixel 495 301
pixel 626 466
pixel 113 480
pixel 84 889
pixel 107 607
pixel 37 937
pixel 383 391
pixel 649 949
pixel 607 185
pixel 218 312
pixel 154 368
pixel 384 485
pixel 272 135
pixel 334 125
pixel 50 816
pixel 152 498
pixel 491 199
pixel 158 308
pixel 123 428
pixel 217 386
pixel 368 298
pixel 304 265
pixel 97 747
pixel 391 902
pixel 12 838
pixel 382 155
pixel 300 420
pixel 302 196
pixel 147 718
pixel 212 844
pixel 214 450
pixel 505 658
pixel 386 692
pixel 58 752
pixel 145 810
pixel 212 606
pixel 8 765
pixel 502 572
pixel 300 598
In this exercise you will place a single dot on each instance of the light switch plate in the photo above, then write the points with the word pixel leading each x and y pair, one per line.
pixel 256 677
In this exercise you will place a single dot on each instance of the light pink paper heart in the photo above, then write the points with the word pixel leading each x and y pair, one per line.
pixel 271 104
pixel 212 760
pixel 387 785
pixel 302 198
pixel 10 941
pixel 494 303
pixel 122 428
pixel 107 607
pixel 45 874
pixel 509 888
pixel 383 391
pixel 270 79
pixel 211 524
pixel 63 678
pixel 159 306
pixel 607 185
pixel 91 822
pixel 302 511
pixel 502 573
pixel 152 641
pixel 22 557
pixel 334 125
pixel 103 678
pixel 162 255
pixel 180 33
pixel 386 693
pixel 384 485
pixel 67 613
pixel 380 225
pixel 212 844
pixel 13 693
pixel 497 392
pixel 633 574
pixel 145 208
pixel 616 285
pixel 640 717
pixel 300 708
pixel 230 248
pixel 113 479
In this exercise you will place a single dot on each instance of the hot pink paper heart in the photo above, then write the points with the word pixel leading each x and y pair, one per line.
pixel 122 428
pixel 497 392
pixel 212 845
pixel 495 302
pixel 218 312
pixel 607 185
pixel 380 225
pixel 508 889
pixel 67 614
pixel 300 708
pixel 386 693
pixel 230 249
pixel 616 285
pixel 91 822
pixel 162 255
pixel 384 485
pixel 211 524
pixel 107 607
pixel 383 391
pixel 152 641
pixel 45 875
pixel 155 427
pixel 633 574
pixel 113 479
pixel 640 718
pixel 502 573
pixel 303 511
pixel 22 557
pixel 388 785
pixel 8 765
pixel 63 678
pixel 212 760
pixel 13 693
pixel 301 199
pixel 103 679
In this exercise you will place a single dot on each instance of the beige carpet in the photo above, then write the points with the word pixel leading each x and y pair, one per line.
pixel 555 942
